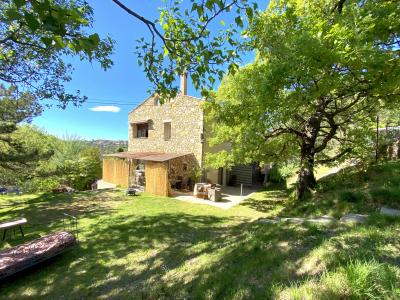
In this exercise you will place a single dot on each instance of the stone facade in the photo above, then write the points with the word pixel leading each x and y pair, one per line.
pixel 187 125
pixel 181 169
pixel 189 134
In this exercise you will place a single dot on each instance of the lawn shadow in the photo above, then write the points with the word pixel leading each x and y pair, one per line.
pixel 177 256
pixel 129 255
pixel 266 201
pixel 45 212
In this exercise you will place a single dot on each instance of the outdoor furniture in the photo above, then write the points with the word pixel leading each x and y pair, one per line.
pixel 131 191
pixel 201 190
pixel 31 253
pixel 214 193
pixel 3 191
pixel 12 224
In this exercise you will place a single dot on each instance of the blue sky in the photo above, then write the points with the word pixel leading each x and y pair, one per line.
pixel 124 85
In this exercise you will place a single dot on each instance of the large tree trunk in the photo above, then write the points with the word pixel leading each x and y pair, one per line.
pixel 306 180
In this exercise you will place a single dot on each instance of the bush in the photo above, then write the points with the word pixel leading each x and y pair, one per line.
pixel 275 176
pixel 390 195
pixel 40 184
pixel 351 196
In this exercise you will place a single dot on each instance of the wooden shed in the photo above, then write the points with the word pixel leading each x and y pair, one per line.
pixel 122 168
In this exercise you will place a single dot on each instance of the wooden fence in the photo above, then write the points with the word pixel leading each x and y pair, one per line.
pixel 157 182
pixel 116 171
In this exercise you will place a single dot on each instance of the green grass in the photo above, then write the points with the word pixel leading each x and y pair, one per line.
pixel 149 247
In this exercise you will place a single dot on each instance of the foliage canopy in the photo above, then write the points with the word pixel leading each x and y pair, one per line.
pixel 321 74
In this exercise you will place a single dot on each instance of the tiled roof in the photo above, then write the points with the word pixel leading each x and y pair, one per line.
pixel 149 156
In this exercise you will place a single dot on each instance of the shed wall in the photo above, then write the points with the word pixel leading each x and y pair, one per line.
pixel 116 171
pixel 157 182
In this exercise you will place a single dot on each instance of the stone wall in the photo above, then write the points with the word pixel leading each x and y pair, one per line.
pixel 182 168
pixel 186 117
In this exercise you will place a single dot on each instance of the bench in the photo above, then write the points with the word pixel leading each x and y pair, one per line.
pixel 12 224
pixel 31 253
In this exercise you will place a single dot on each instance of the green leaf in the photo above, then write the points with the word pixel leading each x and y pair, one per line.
pixel 239 21
pixel 166 52
pixel 47 41
pixel 13 14
pixel 249 12
pixel 19 3
pixel 59 42
pixel 95 39
pixel 32 22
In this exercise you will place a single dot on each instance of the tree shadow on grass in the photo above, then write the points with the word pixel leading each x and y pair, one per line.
pixel 185 256
pixel 266 201
pixel 45 213
pixel 174 256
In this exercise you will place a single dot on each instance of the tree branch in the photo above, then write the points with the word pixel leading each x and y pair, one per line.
pixel 339 6
pixel 333 128
pixel 279 131
pixel 332 159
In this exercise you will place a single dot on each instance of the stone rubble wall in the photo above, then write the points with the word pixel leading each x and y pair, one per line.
pixel 183 167
pixel 186 117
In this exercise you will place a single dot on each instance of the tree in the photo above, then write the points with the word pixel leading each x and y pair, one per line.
pixel 323 71
pixel 83 170
pixel 35 37
pixel 19 162
pixel 15 153
pixel 182 42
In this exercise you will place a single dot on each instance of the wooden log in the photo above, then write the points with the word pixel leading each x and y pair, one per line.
pixel 31 253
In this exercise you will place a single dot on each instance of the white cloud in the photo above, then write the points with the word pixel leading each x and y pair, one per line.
pixel 111 108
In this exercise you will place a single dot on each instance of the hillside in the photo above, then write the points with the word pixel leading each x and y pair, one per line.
pixel 356 189
pixel 361 189
pixel 108 146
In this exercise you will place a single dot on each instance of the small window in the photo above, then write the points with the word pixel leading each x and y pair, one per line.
pixel 185 167
pixel 167 131
pixel 142 130
pixel 157 101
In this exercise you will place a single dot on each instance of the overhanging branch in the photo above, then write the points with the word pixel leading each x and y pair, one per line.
pixel 334 158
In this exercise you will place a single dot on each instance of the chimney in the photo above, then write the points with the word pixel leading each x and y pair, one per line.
pixel 184 84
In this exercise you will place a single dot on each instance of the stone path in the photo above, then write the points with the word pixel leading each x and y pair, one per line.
pixel 318 220
pixel 350 218
pixel 390 212
pixel 353 218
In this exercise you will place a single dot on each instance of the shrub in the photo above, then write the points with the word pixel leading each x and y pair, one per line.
pixel 40 184
pixel 351 196
pixel 390 195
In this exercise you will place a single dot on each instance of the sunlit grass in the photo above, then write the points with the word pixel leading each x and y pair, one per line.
pixel 149 247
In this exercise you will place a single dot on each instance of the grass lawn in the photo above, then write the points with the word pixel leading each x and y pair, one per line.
pixel 148 247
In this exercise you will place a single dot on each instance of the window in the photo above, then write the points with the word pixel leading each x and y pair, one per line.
pixel 167 131
pixel 157 101
pixel 142 130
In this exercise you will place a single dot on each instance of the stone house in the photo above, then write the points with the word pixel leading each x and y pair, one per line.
pixel 166 148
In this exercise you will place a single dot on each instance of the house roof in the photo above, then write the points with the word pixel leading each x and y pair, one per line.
pixel 147 156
